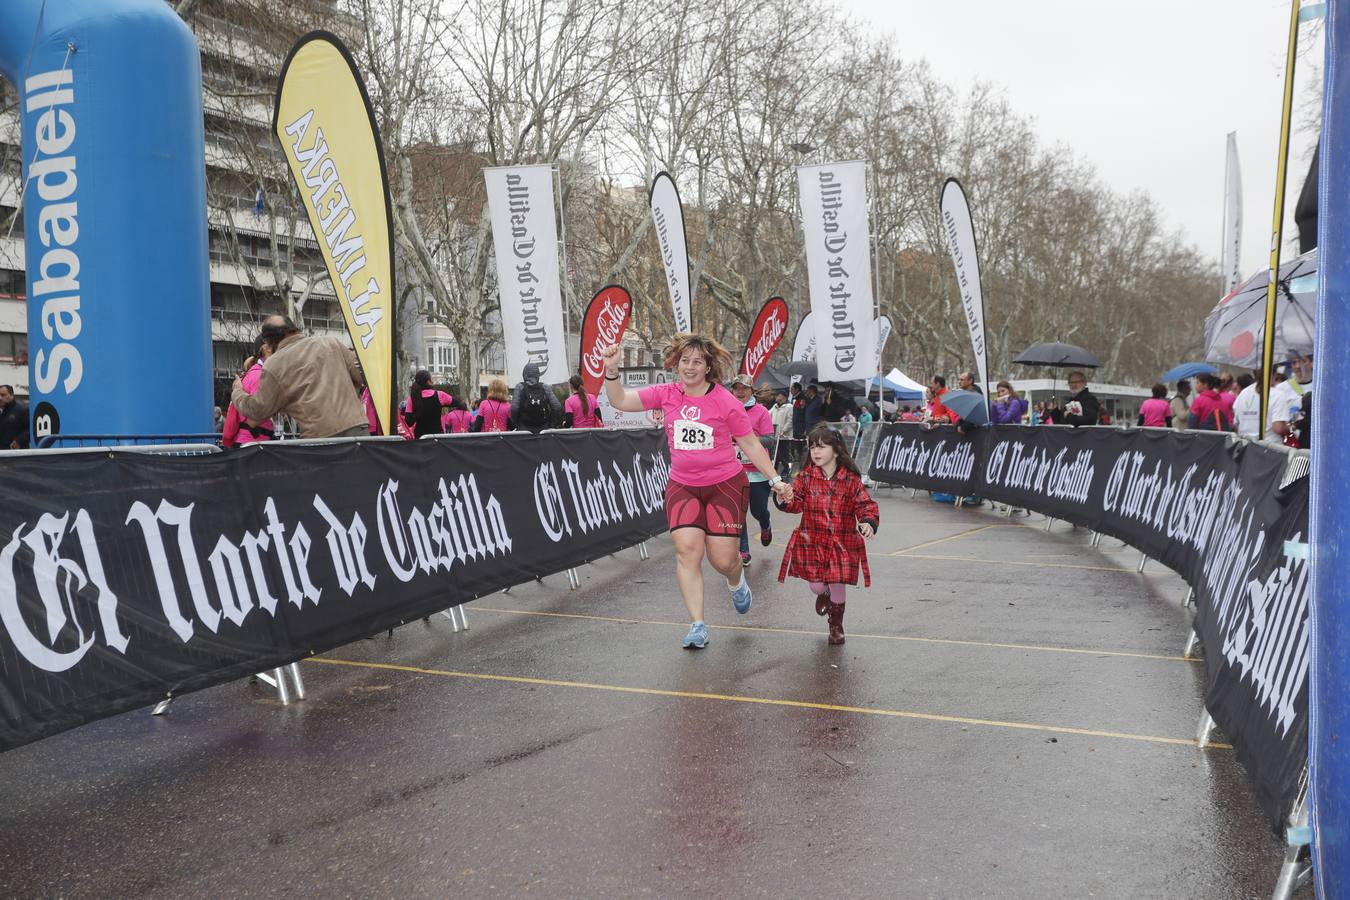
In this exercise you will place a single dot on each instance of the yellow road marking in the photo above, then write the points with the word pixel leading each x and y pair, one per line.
pixel 768 701
pixel 952 537
pixel 1010 562
pixel 851 634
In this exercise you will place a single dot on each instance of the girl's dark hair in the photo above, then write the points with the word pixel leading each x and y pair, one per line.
pixel 458 403
pixel 421 381
pixel 827 436
pixel 576 382
pixel 1160 391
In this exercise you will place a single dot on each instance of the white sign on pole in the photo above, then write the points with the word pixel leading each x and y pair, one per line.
pixel 960 234
pixel 839 267
pixel 804 344
pixel 883 334
pixel 525 236
pixel 668 220
pixel 1231 265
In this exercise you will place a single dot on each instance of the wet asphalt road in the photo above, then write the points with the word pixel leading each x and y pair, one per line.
pixel 1009 718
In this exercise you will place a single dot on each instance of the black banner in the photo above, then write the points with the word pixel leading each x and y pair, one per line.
pixel 125 577
pixel 1209 508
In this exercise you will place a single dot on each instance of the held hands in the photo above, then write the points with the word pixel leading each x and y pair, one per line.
pixel 610 357
pixel 865 529
pixel 783 491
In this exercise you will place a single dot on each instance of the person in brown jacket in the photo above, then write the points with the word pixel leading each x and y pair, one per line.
pixel 314 380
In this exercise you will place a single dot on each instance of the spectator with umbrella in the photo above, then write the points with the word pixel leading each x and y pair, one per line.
pixel 1059 355
pixel 1082 407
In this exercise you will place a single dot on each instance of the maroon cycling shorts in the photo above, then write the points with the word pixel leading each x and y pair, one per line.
pixel 719 509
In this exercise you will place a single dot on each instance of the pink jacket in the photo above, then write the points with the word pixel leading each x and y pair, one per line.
pixel 237 431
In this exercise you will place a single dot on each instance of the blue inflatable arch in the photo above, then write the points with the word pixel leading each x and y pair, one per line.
pixel 114 207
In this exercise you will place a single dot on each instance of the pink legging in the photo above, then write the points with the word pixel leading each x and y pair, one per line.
pixel 834 589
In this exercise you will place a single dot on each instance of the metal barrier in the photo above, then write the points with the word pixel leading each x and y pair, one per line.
pixel 66 441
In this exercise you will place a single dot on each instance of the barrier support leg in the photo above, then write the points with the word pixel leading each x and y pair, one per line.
pixel 161 707
pixel 1190 598
pixel 913 492
pixel 1048 522
pixel 1296 871
pixel 1191 643
pixel 1143 561
pixel 573 579
pixel 299 681
pixel 642 551
pixel 1204 729
pixel 277 679
pixel 459 619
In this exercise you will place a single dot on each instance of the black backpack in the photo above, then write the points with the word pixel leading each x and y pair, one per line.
pixel 535 413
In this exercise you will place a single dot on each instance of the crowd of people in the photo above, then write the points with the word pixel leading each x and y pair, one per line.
pixel 1216 402
pixel 315 385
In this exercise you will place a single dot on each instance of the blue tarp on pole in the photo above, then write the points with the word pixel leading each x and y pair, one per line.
pixel 1329 515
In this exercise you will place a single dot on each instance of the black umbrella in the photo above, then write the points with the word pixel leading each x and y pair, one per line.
pixel 1060 355
pixel 805 369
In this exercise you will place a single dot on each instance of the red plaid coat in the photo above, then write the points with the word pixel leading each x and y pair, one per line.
pixel 826 546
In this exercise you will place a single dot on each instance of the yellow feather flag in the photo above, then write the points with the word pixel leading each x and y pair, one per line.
pixel 326 126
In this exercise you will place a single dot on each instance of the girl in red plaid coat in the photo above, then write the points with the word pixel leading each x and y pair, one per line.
pixel 837 514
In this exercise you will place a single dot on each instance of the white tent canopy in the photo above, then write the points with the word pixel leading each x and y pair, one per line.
pixel 899 380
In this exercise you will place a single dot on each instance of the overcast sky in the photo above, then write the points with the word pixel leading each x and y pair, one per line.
pixel 1146 91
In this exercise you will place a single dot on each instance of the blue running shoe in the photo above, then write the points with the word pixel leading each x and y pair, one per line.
pixel 741 597
pixel 697 638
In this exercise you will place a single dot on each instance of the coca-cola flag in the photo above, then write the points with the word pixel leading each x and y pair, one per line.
pixel 668 220
pixel 606 319
pixel 769 328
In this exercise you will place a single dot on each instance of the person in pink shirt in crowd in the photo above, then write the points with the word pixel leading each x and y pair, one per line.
pixel 457 419
pixel 494 413
pixel 1156 411
pixel 742 386
pixel 581 409
pixel 422 410
pixel 237 430
pixel 1208 411
pixel 706 493
pixel 372 417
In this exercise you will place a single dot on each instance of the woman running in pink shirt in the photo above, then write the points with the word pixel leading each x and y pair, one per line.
pixel 707 492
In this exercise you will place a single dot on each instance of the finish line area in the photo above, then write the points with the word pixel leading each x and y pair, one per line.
pixel 1011 716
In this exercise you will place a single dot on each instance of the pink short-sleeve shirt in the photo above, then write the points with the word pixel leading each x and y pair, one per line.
pixel 700 431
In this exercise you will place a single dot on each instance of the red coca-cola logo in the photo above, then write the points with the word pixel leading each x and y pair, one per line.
pixel 769 328
pixel 605 322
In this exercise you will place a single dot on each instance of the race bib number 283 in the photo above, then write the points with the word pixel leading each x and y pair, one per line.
pixel 692 435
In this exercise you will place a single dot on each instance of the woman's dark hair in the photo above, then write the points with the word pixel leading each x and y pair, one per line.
pixel 577 386
pixel 823 435
pixel 421 382
pixel 1160 391
pixel 1207 380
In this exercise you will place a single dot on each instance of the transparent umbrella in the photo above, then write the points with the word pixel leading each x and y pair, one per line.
pixel 1235 328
